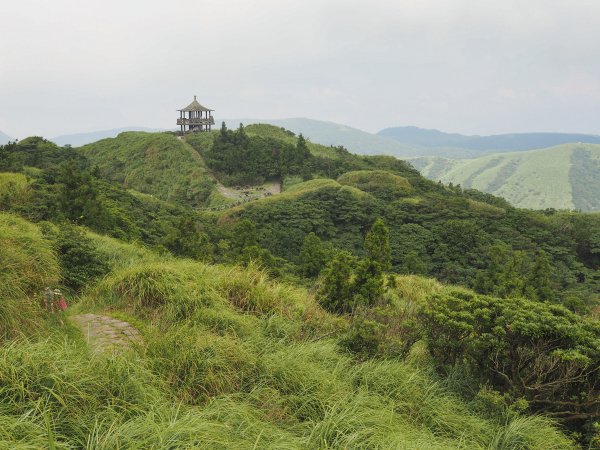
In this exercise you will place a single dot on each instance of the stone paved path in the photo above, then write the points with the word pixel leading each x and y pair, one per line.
pixel 105 333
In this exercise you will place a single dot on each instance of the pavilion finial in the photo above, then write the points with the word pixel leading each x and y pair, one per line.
pixel 194 97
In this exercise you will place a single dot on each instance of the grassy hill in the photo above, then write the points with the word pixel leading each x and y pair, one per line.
pixel 461 334
pixel 484 144
pixel 153 163
pixel 228 359
pixel 563 177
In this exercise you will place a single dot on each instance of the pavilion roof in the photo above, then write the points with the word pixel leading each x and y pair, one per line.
pixel 195 106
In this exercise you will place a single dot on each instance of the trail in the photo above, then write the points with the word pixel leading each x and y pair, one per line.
pixel 104 333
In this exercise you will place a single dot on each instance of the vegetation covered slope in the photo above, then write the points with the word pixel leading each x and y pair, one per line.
pixel 229 359
pixel 153 163
pixel 563 177
pixel 338 294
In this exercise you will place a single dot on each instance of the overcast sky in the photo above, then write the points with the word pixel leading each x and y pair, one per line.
pixel 468 66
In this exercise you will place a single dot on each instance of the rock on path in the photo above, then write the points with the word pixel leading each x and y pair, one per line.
pixel 105 333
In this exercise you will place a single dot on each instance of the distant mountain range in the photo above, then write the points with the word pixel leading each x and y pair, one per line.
pixel 560 177
pixel 484 144
pixel 331 133
pixel 4 138
pixel 79 139
pixel 404 142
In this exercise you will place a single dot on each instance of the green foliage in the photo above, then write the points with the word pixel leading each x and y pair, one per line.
pixel 335 293
pixel 152 163
pixel 313 255
pixel 242 159
pixel 14 190
pixel 80 260
pixel 379 183
pixel 377 245
pixel 230 359
pixel 187 240
pixel 27 266
pixel 530 349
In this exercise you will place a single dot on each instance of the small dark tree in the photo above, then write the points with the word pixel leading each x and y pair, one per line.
pixel 313 255
pixel 540 280
pixel 377 245
pixel 368 284
pixel 80 260
pixel 187 240
pixel 335 292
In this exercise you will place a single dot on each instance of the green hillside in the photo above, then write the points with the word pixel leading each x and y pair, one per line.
pixel 227 359
pixel 153 163
pixel 563 177
pixel 364 306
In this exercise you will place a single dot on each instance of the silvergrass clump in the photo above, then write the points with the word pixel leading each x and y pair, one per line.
pixel 199 365
pixel 27 266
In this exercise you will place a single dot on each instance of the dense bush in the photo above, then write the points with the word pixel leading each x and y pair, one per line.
pixel 538 351
pixel 80 261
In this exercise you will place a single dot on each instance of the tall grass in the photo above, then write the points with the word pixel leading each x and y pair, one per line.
pixel 27 266
pixel 231 359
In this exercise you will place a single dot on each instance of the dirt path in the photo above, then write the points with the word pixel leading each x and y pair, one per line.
pixel 105 333
pixel 248 193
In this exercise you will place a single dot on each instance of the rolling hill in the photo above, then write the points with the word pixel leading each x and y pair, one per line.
pixel 484 144
pixel 561 177
pixel 240 341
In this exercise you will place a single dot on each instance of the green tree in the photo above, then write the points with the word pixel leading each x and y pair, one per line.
pixel 335 293
pixel 540 279
pixel 534 350
pixel 80 260
pixel 414 264
pixel 368 284
pixel 243 234
pixel 187 240
pixel 377 245
pixel 313 255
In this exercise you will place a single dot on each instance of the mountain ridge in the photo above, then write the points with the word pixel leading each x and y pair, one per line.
pixel 491 143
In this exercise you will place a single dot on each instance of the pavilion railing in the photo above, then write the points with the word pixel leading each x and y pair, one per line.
pixel 196 121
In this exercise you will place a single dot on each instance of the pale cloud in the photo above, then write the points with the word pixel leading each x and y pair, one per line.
pixel 458 65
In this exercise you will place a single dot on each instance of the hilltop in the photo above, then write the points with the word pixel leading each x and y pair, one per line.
pixel 562 177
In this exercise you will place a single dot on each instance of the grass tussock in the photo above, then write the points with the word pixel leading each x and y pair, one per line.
pixel 27 265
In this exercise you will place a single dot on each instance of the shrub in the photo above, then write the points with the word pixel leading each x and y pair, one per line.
pixel 539 351
pixel 81 262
